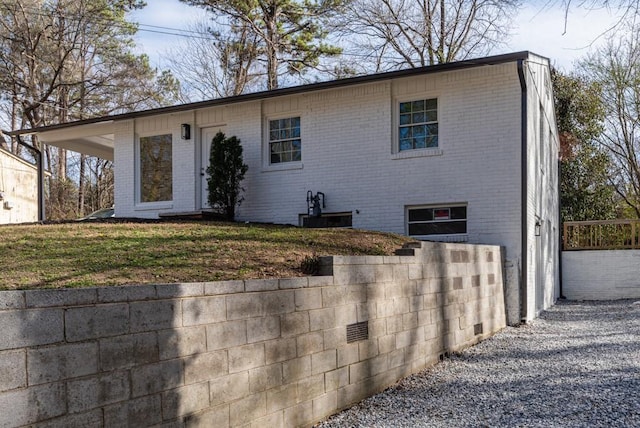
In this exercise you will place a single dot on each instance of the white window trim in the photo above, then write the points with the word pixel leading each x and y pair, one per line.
pixel 452 237
pixel 417 153
pixel 149 206
pixel 396 153
pixel 267 166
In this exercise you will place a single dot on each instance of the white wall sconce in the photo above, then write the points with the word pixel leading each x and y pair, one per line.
pixel 538 227
pixel 185 131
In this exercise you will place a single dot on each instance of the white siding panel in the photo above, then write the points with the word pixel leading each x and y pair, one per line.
pixel 19 187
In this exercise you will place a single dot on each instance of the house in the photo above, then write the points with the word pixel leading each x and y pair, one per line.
pixel 463 152
pixel 18 189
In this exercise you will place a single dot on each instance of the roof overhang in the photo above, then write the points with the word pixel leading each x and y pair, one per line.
pixel 93 139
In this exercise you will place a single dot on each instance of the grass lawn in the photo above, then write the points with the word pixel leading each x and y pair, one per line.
pixel 117 253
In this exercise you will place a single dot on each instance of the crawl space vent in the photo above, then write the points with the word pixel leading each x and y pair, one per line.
pixel 477 329
pixel 357 331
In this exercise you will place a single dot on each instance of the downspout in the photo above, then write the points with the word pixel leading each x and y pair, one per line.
pixel 524 192
pixel 560 232
pixel 38 155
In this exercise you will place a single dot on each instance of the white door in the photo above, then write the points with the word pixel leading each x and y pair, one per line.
pixel 206 136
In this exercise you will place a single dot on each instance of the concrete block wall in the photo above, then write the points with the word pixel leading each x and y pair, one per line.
pixel 601 274
pixel 257 353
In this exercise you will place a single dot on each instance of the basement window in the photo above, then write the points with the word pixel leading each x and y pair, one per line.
pixel 438 223
pixel 344 219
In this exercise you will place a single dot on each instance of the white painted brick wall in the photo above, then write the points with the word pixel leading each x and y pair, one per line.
pixel 124 170
pixel 542 196
pixel 351 162
pixel 347 146
pixel 347 143
pixel 601 275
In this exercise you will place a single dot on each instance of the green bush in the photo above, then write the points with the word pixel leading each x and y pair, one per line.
pixel 226 172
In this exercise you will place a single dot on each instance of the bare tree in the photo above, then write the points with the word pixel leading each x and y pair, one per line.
pixel 413 33
pixel 616 68
pixel 64 60
pixel 625 6
pixel 97 185
pixel 222 61
pixel 627 10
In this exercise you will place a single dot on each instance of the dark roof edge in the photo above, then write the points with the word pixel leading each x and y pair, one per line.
pixel 330 84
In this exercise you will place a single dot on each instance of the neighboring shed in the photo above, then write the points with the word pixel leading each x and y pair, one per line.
pixel 18 189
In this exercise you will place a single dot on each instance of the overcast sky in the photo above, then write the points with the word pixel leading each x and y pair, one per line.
pixel 536 29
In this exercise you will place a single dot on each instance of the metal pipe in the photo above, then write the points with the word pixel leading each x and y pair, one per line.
pixel 560 232
pixel 523 203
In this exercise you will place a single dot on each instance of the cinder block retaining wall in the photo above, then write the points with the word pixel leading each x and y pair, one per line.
pixel 601 274
pixel 242 353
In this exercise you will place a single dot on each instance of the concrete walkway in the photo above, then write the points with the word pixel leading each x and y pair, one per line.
pixel 578 365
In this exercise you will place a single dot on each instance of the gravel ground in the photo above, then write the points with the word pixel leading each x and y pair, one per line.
pixel 578 365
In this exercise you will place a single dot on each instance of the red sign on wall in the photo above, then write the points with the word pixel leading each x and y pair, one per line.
pixel 441 214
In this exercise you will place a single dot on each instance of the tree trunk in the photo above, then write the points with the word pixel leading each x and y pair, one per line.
pixel 81 185
pixel 271 21
pixel 15 147
pixel 429 26
pixel 441 57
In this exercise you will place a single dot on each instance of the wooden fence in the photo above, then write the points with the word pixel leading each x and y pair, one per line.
pixel 601 235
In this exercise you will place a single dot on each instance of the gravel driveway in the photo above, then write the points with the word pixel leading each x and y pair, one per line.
pixel 578 365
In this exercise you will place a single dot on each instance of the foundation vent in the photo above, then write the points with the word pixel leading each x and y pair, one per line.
pixel 477 329
pixel 357 331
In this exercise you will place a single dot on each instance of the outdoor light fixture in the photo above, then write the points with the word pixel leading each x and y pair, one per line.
pixel 185 129
pixel 538 226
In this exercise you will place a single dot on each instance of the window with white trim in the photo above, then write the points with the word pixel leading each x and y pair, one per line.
pixel 424 221
pixel 285 143
pixel 155 168
pixel 418 124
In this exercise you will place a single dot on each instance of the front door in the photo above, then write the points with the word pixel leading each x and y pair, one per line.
pixel 206 137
